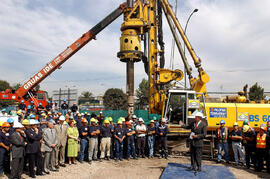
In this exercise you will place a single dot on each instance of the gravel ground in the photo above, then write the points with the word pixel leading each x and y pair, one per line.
pixel 137 169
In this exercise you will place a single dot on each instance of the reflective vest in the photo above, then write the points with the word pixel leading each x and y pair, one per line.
pixel 223 136
pixel 261 141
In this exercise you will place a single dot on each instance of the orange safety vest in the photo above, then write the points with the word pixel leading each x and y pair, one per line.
pixel 261 141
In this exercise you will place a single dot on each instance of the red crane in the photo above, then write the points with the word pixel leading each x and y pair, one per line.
pixel 27 93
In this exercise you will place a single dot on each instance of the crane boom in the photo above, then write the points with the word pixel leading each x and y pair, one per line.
pixel 69 51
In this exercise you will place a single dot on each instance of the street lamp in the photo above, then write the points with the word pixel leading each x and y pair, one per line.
pixel 195 10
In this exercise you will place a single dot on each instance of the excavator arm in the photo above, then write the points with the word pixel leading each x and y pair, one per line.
pixel 68 52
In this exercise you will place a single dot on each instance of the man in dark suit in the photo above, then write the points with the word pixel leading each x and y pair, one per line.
pixel 33 148
pixel 17 139
pixel 198 133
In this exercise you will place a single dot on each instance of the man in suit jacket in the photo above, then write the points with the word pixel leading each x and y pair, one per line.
pixel 17 139
pixel 33 148
pixel 50 143
pixel 61 131
pixel 198 133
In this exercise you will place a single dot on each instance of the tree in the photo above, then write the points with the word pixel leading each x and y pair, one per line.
pixel 115 99
pixel 256 93
pixel 142 94
pixel 16 86
pixel 37 88
pixel 4 85
pixel 87 95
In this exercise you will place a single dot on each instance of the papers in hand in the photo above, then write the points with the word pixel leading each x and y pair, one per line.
pixel 191 135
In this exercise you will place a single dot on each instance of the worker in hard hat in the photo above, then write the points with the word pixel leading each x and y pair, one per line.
pixel 236 137
pixel 74 108
pixel 43 121
pixel 83 131
pixel 106 133
pixel 11 123
pixel 156 145
pixel 222 141
pixel 162 131
pixel 33 148
pixel 25 123
pixel 112 149
pixel 22 106
pixel 4 149
pixel 49 106
pixel 249 141
pixel 40 108
pixel 94 132
pixel 151 132
pixel 261 148
pixel 64 107
pixel 61 131
pixel 17 139
pixel 141 133
pixel 3 112
pixel 119 135
pixel 130 138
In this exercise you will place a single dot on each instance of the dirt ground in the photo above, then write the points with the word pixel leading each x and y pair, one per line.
pixel 137 169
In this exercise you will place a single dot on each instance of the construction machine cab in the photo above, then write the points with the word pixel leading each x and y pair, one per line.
pixel 182 105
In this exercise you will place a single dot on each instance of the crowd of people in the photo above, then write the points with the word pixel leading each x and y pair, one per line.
pixel 256 144
pixel 44 140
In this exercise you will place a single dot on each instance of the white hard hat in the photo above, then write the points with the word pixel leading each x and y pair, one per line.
pixel 163 120
pixel 199 114
pixel 18 125
pixel 69 110
pixel 62 118
pixel 141 119
pixel 134 116
pixel 32 121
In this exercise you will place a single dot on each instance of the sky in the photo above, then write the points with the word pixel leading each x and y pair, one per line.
pixel 230 36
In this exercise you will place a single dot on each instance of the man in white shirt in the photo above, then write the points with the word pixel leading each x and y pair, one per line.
pixel 141 131
pixel 3 113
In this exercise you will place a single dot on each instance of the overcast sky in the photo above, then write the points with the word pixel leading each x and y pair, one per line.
pixel 231 37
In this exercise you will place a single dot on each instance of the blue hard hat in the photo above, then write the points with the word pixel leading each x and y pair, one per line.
pixel 22 101
pixel 32 116
pixel 65 100
pixel 32 102
pixel 37 122
pixel 222 122
pixel 39 104
pixel 10 120
pixel 3 110
pixel 29 107
pixel 49 101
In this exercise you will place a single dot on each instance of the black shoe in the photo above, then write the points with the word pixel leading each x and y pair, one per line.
pixel 121 159
pixel 32 176
pixel 116 160
pixel 143 156
pixel 191 168
pixel 80 161
pixel 218 161
pixel 127 159
pixel 55 170
pixel 199 169
pixel 62 165
pixel 47 173
pixel 108 158
pixel 90 162
pixel 40 174
pixel 135 158
pixel 57 166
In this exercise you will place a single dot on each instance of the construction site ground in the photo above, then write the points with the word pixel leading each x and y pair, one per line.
pixel 143 168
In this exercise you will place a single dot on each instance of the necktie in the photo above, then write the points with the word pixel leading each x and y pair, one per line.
pixel 196 125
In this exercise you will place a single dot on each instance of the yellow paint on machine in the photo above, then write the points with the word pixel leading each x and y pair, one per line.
pixel 257 114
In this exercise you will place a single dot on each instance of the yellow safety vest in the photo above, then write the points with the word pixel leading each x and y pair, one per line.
pixel 261 141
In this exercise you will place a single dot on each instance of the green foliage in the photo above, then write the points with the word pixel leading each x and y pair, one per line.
pixel 16 86
pixel 37 88
pixel 87 95
pixel 4 85
pixel 115 99
pixel 142 94
pixel 256 92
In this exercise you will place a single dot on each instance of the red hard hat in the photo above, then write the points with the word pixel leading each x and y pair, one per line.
pixel 128 123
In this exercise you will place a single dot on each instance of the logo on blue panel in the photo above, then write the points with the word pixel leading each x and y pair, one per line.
pixel 218 112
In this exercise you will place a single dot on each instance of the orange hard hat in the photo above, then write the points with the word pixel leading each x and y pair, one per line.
pixel 128 123
pixel 84 120
pixel 59 113
pixel 5 124
pixel 263 128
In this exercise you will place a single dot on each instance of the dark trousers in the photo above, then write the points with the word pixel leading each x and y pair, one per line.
pixel 35 158
pixel 4 161
pixel 260 156
pixel 17 167
pixel 112 151
pixel 250 155
pixel 268 161
pixel 196 157
pixel 141 146
pixel 119 149
pixel 163 147
pixel 131 149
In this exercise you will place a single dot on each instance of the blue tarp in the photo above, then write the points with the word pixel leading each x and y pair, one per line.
pixel 179 171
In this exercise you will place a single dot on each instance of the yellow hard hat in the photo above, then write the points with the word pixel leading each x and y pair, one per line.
pixel 25 122
pixel 96 121
pixel 123 119
pixel 245 128
pixel 110 119
pixel 92 120
pixel 235 124
pixel 1 123
pixel 43 114
pixel 152 121
pixel 119 122
pixel 106 121
pixel 19 112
